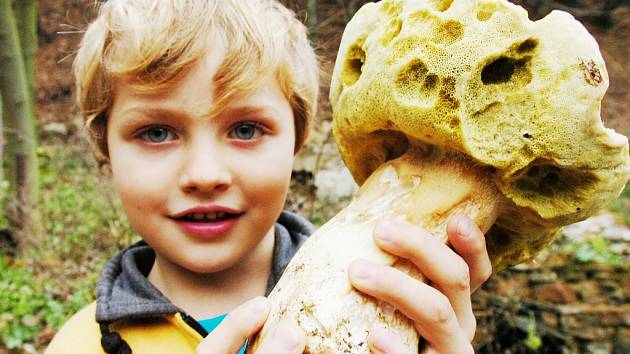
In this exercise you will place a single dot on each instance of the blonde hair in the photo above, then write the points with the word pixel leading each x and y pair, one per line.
pixel 152 43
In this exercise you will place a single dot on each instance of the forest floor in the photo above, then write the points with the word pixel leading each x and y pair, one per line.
pixel 547 300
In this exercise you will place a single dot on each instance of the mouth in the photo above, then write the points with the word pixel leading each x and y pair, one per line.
pixel 207 222
pixel 207 217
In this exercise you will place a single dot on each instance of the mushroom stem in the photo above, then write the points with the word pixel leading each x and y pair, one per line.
pixel 425 186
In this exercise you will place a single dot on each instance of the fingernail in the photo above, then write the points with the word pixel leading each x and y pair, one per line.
pixel 258 305
pixel 379 340
pixel 383 230
pixel 360 269
pixel 464 226
pixel 286 337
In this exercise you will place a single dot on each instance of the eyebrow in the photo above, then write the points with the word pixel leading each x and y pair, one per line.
pixel 247 110
pixel 166 113
pixel 139 113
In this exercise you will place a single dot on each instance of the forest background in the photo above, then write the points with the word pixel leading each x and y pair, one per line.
pixel 575 297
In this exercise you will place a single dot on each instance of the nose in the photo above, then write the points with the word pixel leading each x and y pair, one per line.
pixel 204 170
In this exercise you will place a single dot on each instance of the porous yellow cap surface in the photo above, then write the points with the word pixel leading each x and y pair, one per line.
pixel 477 76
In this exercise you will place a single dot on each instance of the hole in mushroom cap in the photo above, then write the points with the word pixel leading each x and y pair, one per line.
pixel 353 66
pixel 414 73
pixel 430 81
pixel 552 190
pixel 414 83
pixel 502 70
pixel 393 143
pixel 544 179
pixel 527 46
pixel 356 65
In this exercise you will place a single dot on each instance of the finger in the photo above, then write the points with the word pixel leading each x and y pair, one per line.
pixel 382 341
pixel 446 270
pixel 429 309
pixel 285 339
pixel 470 243
pixel 238 325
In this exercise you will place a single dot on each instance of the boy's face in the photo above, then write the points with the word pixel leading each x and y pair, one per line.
pixel 203 191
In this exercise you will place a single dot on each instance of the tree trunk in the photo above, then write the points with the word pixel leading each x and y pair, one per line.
pixel 311 19
pixel 20 130
pixel 349 6
pixel 1 144
pixel 26 17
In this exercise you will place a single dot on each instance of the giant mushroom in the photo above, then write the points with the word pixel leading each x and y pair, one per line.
pixel 453 106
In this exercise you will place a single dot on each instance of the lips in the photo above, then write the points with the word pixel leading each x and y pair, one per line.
pixel 207 222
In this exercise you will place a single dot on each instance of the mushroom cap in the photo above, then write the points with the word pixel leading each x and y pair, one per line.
pixel 478 77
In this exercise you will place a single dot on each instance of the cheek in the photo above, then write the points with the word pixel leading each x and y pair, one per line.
pixel 136 197
pixel 140 183
pixel 276 176
pixel 268 177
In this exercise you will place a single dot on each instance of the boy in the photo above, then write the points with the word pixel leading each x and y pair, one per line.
pixel 199 107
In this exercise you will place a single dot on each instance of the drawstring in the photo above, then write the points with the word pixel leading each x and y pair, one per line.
pixel 112 342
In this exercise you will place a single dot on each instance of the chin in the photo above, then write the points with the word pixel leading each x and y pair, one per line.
pixel 207 266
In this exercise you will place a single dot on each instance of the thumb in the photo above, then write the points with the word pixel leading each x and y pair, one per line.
pixel 240 323
pixel 285 339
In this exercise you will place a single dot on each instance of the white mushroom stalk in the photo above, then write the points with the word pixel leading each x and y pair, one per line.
pixel 444 107
pixel 315 291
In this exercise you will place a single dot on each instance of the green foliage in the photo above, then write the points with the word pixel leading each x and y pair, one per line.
pixel 27 306
pixel 593 248
pixel 533 341
pixel 81 216
pixel 318 221
pixel 84 226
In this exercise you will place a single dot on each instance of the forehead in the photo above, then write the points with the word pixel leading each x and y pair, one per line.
pixel 208 86
pixel 198 74
pixel 201 93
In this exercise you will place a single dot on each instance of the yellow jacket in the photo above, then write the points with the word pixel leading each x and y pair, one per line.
pixel 166 334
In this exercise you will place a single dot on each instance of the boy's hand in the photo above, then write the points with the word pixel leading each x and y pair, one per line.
pixel 243 322
pixel 442 312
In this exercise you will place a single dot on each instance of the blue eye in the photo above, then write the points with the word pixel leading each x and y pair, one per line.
pixel 156 135
pixel 246 131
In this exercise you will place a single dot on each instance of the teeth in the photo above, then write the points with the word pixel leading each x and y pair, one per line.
pixel 208 216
